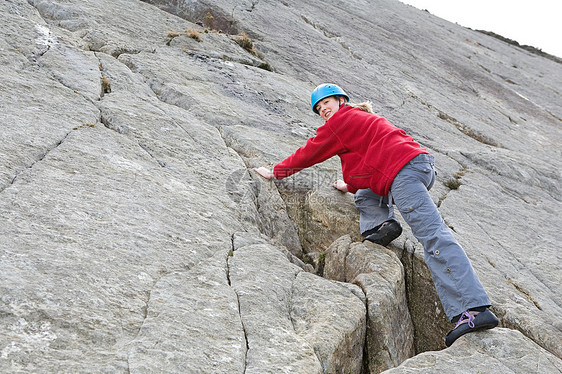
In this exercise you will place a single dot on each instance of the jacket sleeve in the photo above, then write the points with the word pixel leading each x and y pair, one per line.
pixel 317 149
pixel 351 189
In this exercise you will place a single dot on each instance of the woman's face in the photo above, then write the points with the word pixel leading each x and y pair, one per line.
pixel 327 107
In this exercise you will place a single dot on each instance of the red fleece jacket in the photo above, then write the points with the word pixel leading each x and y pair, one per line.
pixel 371 149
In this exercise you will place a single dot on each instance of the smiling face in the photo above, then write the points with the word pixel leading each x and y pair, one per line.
pixel 327 107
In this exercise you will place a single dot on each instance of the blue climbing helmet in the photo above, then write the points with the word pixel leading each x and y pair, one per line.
pixel 326 90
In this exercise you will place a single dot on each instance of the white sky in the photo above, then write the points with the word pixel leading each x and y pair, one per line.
pixel 537 23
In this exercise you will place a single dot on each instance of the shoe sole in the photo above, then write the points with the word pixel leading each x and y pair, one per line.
pixel 386 239
pixel 483 326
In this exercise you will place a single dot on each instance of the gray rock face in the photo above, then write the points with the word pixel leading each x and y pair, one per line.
pixel 379 273
pixel 135 237
pixel 295 321
pixel 496 351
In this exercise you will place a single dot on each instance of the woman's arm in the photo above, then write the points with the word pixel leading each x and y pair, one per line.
pixel 317 149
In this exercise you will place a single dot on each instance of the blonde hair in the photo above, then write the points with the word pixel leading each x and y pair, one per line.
pixel 365 106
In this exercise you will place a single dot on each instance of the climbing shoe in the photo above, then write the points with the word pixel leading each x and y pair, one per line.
pixel 386 233
pixel 471 321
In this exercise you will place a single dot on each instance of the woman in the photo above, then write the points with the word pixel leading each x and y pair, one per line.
pixel 383 166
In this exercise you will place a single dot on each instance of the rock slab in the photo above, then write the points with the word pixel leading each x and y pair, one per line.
pixel 126 184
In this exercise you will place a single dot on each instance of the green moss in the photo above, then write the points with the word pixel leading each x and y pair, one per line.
pixel 265 66
pixel 453 183
pixel 245 42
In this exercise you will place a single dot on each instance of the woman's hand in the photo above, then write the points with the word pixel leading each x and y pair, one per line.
pixel 264 172
pixel 340 185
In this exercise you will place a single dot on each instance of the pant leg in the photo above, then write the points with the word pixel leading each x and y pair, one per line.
pixel 456 282
pixel 372 210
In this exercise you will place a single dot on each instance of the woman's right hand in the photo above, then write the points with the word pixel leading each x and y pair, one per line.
pixel 264 172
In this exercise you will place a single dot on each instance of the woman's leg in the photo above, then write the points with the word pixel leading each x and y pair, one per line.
pixel 456 282
pixel 376 218
pixel 372 212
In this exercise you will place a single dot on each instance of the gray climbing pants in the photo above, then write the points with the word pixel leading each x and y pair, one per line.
pixel 457 284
